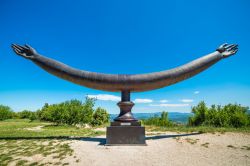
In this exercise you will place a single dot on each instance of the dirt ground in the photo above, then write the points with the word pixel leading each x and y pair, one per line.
pixel 166 149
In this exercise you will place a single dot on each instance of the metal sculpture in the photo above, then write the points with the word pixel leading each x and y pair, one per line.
pixel 125 83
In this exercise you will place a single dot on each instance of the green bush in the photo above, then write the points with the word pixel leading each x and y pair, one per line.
pixel 69 112
pixel 230 115
pixel 100 117
pixel 158 121
pixel 25 114
pixel 6 112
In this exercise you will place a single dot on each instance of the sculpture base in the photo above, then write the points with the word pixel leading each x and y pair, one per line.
pixel 125 133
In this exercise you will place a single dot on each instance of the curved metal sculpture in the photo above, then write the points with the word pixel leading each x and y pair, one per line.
pixel 123 82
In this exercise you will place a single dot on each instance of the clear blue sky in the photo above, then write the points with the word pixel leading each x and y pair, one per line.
pixel 125 37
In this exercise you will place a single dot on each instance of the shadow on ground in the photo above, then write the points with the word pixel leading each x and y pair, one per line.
pixel 101 141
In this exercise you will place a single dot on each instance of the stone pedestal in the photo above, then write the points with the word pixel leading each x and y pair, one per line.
pixel 125 133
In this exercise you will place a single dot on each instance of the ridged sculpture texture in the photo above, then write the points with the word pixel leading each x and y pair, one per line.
pixel 125 83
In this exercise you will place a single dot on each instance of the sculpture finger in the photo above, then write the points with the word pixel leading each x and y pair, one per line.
pixel 23 47
pixel 228 46
pixel 17 51
pixel 233 47
pixel 18 46
pixel 15 47
pixel 28 46
pixel 234 51
pixel 223 45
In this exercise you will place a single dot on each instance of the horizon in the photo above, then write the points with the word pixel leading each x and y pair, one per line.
pixel 152 36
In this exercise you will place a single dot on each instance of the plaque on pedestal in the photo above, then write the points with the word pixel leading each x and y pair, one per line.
pixel 125 133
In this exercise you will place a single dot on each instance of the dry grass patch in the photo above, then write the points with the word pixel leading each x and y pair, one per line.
pixel 34 152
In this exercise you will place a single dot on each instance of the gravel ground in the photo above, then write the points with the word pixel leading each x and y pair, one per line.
pixel 166 149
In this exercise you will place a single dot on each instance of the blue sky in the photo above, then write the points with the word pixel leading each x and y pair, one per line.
pixel 125 37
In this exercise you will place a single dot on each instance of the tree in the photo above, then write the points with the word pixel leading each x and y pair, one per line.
pixel 100 117
pixel 230 115
pixel 69 112
pixel 199 112
pixel 5 112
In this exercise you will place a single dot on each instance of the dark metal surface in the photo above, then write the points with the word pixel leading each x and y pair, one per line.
pixel 125 106
pixel 123 82
pixel 125 135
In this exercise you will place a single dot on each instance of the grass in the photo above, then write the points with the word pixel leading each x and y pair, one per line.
pixel 18 152
pixel 200 129
pixel 245 147
pixel 191 141
pixel 205 145
pixel 18 143
pixel 231 146
pixel 16 128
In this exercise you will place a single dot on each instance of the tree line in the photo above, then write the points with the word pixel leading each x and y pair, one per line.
pixel 72 112
pixel 230 115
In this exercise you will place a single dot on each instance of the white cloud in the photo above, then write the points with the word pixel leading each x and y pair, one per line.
pixel 105 97
pixel 187 100
pixel 169 105
pixel 196 92
pixel 163 101
pixel 143 101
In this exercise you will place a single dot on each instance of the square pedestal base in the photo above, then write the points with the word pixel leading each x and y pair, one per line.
pixel 125 134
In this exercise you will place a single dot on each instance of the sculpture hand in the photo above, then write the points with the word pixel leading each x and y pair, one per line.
pixel 25 51
pixel 228 49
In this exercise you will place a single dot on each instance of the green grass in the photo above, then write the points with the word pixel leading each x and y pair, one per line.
pixel 19 128
pixel 200 129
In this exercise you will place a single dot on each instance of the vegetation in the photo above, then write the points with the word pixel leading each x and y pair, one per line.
pixel 198 129
pixel 23 128
pixel 13 152
pixel 67 115
pixel 100 117
pixel 159 121
pixel 69 112
pixel 5 112
pixel 231 115
pixel 25 114
pixel 21 139
pixel 73 112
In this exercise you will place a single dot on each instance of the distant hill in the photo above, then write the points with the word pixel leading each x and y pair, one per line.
pixel 173 116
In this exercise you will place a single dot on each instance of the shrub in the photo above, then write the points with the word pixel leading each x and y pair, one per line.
pixel 100 117
pixel 69 112
pixel 230 115
pixel 25 114
pixel 199 114
pixel 5 112
pixel 86 114
pixel 33 116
